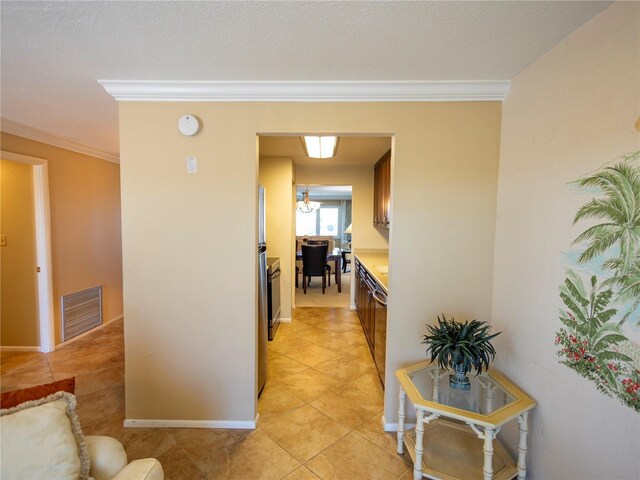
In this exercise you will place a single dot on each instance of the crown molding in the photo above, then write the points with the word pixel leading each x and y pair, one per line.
pixel 15 128
pixel 346 91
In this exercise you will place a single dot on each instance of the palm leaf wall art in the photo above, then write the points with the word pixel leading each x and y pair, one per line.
pixel 601 324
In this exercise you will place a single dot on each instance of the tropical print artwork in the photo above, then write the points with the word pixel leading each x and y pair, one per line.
pixel 601 291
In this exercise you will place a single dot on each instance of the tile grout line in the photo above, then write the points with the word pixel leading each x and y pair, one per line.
pixel 46 356
pixel 336 389
pixel 186 453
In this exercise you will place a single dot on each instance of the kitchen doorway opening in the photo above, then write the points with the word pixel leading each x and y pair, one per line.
pixel 285 169
pixel 337 200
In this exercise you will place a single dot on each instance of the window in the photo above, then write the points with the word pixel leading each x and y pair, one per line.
pixel 306 223
pixel 328 217
pixel 324 222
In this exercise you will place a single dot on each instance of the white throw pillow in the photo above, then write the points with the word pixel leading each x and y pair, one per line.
pixel 42 440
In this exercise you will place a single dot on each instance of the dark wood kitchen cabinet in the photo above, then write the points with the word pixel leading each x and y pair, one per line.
pixel 364 303
pixel 382 192
pixel 371 306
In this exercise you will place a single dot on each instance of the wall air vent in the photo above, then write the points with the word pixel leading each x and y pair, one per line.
pixel 81 311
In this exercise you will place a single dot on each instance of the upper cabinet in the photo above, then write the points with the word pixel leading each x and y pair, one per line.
pixel 382 192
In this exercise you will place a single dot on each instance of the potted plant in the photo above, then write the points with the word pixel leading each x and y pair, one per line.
pixel 461 346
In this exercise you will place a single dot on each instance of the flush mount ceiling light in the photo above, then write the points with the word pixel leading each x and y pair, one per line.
pixel 320 146
pixel 306 205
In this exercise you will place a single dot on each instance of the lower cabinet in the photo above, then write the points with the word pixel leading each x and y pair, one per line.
pixel 371 305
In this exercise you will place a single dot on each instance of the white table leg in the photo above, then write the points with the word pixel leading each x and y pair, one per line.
pixel 402 398
pixel 417 466
pixel 522 446
pixel 488 453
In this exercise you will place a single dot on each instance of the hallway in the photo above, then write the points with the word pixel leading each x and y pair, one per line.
pixel 320 413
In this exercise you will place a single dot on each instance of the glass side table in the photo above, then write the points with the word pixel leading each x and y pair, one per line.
pixel 451 450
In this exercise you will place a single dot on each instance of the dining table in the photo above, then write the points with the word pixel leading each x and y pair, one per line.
pixel 334 256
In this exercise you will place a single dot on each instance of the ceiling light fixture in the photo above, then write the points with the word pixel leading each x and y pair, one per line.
pixel 320 146
pixel 306 205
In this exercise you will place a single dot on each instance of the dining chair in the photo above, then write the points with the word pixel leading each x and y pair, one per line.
pixel 322 242
pixel 345 261
pixel 314 260
pixel 296 263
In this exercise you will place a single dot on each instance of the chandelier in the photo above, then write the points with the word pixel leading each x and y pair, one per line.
pixel 306 205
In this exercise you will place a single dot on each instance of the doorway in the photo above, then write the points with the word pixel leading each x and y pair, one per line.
pixel 36 264
pixel 284 165
pixel 320 345
pixel 326 217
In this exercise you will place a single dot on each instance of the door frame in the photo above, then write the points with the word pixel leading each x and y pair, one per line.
pixel 42 215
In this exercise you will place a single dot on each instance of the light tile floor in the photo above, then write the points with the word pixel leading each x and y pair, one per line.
pixel 320 412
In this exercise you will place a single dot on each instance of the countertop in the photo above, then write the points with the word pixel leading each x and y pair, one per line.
pixel 377 264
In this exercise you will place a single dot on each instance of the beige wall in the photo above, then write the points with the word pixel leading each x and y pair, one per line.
pixel 19 302
pixel 85 223
pixel 365 235
pixel 276 174
pixel 190 295
pixel 567 114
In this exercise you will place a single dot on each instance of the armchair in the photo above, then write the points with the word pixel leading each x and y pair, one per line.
pixel 109 461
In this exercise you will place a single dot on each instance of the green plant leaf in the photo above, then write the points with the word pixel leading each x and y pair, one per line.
pixel 612 356
pixel 573 306
pixel 455 342
pixel 606 335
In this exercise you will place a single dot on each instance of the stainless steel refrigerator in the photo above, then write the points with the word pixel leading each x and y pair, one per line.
pixel 263 319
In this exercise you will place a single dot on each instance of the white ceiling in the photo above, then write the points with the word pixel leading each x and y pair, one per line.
pixel 52 53
pixel 350 151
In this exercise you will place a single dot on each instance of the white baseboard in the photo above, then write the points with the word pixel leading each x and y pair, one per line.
pixel 389 427
pixel 393 427
pixel 9 348
pixel 74 339
pixel 285 320
pixel 82 335
pixel 151 423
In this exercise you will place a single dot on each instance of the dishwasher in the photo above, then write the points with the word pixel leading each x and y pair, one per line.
pixel 273 295
pixel 380 330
